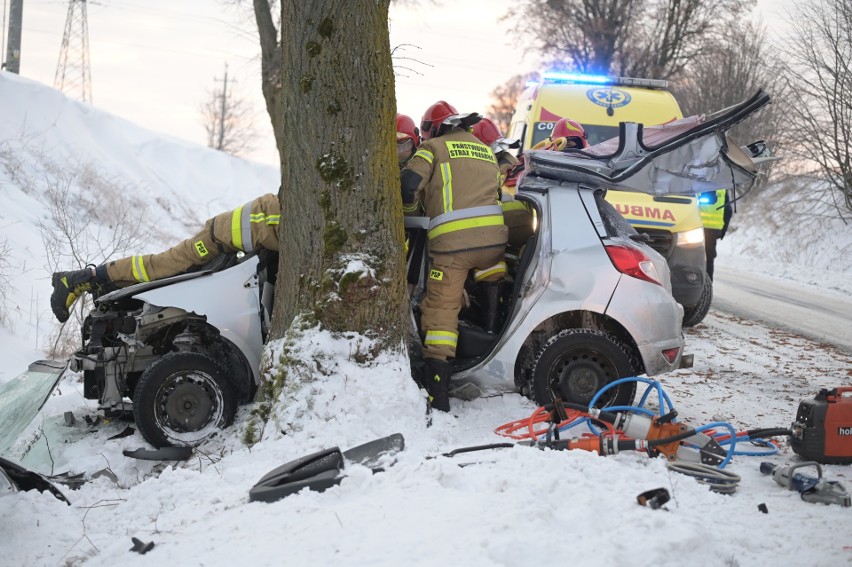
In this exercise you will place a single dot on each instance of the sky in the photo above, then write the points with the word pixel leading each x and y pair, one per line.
pixel 516 506
pixel 156 62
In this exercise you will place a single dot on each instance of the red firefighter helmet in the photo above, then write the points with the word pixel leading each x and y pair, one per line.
pixel 486 131
pixel 489 134
pixel 434 117
pixel 570 129
pixel 406 130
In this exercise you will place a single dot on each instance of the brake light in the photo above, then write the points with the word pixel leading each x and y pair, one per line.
pixel 633 262
pixel 670 354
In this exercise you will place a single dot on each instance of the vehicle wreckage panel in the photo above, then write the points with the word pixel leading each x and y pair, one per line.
pixel 681 161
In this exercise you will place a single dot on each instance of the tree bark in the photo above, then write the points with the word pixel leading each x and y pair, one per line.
pixel 341 262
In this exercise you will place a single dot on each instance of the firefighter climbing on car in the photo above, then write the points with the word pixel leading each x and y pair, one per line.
pixel 453 180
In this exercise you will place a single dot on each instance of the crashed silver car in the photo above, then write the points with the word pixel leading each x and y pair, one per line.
pixel 587 302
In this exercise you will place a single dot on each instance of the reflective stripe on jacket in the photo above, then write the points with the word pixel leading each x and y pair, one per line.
pixel 255 225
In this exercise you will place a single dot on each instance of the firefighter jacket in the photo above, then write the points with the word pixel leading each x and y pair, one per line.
pixel 453 179
pixel 248 228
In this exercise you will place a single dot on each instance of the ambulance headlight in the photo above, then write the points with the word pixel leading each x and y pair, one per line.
pixel 694 237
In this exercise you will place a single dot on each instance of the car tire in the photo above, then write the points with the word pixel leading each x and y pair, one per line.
pixel 574 364
pixel 182 399
pixel 695 314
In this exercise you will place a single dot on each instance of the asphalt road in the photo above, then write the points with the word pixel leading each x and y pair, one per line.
pixel 825 317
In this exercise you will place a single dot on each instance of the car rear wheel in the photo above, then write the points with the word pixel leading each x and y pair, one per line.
pixel 574 364
pixel 182 399
pixel 695 314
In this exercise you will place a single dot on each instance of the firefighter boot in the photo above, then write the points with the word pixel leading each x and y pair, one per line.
pixel 490 306
pixel 436 380
pixel 69 286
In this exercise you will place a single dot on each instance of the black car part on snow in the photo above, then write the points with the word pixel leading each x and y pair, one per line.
pixel 321 470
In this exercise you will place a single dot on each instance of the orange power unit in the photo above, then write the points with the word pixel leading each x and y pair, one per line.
pixel 822 431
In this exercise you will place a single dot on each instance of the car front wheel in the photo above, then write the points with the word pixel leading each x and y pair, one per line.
pixel 182 399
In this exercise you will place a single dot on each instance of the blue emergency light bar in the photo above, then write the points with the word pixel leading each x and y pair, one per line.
pixel 559 77
pixel 555 77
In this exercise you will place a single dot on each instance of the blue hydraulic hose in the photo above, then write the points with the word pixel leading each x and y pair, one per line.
pixel 770 448
pixel 662 397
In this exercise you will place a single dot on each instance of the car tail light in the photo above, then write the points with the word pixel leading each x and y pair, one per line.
pixel 670 354
pixel 633 262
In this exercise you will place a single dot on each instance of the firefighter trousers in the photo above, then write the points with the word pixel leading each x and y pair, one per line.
pixel 249 228
pixel 444 293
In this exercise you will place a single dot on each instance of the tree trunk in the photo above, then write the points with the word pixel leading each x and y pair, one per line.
pixel 341 214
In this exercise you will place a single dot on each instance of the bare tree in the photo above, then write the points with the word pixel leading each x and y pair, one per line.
pixel 341 224
pixel 732 67
pixel 820 80
pixel 6 272
pixel 505 98
pixel 228 119
pixel 271 73
pixel 99 219
pixel 640 38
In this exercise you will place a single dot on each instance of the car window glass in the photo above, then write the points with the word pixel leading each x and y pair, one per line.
pixel 615 224
pixel 598 134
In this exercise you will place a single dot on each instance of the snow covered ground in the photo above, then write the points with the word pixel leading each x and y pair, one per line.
pixel 515 506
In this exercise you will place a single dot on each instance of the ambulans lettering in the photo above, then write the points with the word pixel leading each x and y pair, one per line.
pixel 845 431
pixel 612 98
pixel 470 150
pixel 645 212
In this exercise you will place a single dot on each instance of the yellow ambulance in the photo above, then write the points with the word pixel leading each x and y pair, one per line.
pixel 672 223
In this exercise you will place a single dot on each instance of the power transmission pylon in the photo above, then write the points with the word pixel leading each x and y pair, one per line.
pixel 73 74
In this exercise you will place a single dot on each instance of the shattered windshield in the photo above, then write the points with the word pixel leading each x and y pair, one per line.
pixel 22 397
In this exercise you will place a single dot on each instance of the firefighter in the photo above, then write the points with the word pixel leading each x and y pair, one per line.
pixel 249 228
pixel 716 213
pixel 490 135
pixel 407 139
pixel 567 134
pixel 452 178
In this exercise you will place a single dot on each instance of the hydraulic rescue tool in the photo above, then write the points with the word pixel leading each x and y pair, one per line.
pixel 660 435
pixel 632 432
pixel 822 431
pixel 812 489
